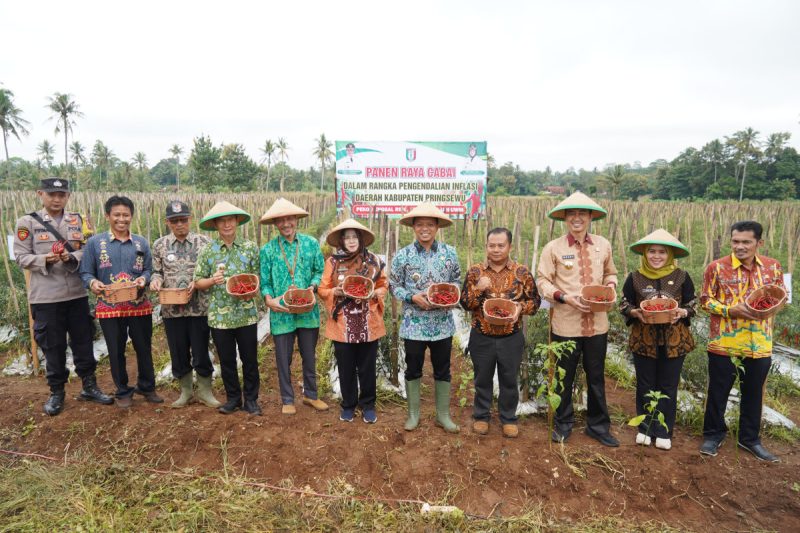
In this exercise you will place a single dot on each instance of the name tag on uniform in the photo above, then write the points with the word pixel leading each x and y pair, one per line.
pixel 43 236
pixel 76 236
pixel 571 256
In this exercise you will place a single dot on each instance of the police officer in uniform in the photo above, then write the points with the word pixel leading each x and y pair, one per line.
pixel 48 243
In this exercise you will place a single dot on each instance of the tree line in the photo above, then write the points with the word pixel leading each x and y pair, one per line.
pixel 744 165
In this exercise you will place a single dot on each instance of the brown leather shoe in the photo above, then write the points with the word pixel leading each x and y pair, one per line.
pixel 511 431
pixel 288 409
pixel 319 405
pixel 151 397
pixel 124 402
pixel 481 427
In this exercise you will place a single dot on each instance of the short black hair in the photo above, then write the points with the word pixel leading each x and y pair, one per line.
pixel 498 231
pixel 118 200
pixel 748 225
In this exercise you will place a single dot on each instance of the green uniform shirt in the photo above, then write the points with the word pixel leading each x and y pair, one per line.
pixel 276 279
pixel 225 311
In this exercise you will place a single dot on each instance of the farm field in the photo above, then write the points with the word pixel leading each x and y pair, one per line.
pixel 160 469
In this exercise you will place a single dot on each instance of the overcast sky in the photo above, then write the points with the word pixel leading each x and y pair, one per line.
pixel 563 84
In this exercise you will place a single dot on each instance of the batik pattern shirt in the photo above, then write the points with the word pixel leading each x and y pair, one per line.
pixel 513 282
pixel 414 269
pixel 173 266
pixel 276 278
pixel 225 311
pixel 727 283
pixel 111 260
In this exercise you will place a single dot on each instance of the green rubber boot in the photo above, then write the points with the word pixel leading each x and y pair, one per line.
pixel 443 407
pixel 412 396
pixel 204 393
pixel 186 392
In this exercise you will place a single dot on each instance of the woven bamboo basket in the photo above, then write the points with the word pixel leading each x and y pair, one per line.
pixel 658 317
pixel 243 278
pixel 449 290
pixel 775 291
pixel 174 296
pixel 598 291
pixel 350 281
pixel 491 304
pixel 117 293
pixel 292 295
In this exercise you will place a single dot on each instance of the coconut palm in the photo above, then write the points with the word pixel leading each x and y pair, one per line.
pixel 11 122
pixel 65 111
pixel 776 142
pixel 140 160
pixel 714 153
pixel 283 154
pixel 269 152
pixel 46 152
pixel 102 158
pixel 78 152
pixel 324 153
pixel 746 143
pixel 176 152
pixel 614 177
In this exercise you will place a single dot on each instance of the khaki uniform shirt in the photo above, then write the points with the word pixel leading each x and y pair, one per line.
pixel 566 266
pixel 173 265
pixel 54 282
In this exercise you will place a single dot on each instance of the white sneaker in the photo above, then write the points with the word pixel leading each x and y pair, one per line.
pixel 663 444
pixel 642 439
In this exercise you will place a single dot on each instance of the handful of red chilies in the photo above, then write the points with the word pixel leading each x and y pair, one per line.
pixel 243 287
pixel 657 306
pixel 444 298
pixel 499 312
pixel 59 247
pixel 764 303
pixel 357 288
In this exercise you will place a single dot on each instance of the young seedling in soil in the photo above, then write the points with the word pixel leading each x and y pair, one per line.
pixel 552 388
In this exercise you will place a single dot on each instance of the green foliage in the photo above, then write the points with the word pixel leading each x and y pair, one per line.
pixel 204 161
pixel 653 412
pixel 553 352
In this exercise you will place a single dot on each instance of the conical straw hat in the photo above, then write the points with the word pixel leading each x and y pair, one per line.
pixel 222 209
pixel 426 209
pixel 366 235
pixel 662 237
pixel 282 208
pixel 577 200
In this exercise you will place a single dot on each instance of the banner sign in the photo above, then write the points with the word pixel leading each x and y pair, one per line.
pixel 393 177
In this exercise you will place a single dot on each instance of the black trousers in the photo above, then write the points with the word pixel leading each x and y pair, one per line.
pixel 505 355
pixel 226 341
pixel 660 374
pixel 116 332
pixel 440 358
pixel 284 348
pixel 721 375
pixel 592 352
pixel 356 364
pixel 187 338
pixel 51 323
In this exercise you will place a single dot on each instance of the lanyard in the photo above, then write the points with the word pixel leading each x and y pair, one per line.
pixel 286 260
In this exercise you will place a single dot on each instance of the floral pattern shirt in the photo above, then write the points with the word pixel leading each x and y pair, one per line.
pixel 173 266
pixel 225 311
pixel 414 269
pixel 306 258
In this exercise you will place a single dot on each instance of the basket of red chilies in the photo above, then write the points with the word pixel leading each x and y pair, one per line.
pixel 243 286
pixel 499 311
pixel 658 310
pixel 443 295
pixel 299 300
pixel 358 287
pixel 766 301
pixel 599 298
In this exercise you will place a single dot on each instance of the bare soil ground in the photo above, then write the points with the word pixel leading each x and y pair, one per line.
pixel 483 475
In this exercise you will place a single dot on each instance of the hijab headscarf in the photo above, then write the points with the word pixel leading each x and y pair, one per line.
pixel 655 273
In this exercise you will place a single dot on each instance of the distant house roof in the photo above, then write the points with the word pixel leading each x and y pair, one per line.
pixel 555 189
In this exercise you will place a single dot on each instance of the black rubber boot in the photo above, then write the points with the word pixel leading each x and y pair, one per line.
pixel 92 393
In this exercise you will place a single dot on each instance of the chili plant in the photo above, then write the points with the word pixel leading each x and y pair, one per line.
pixel 653 413
pixel 552 388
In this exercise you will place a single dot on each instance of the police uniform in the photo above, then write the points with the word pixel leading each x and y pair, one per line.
pixel 59 304
pixel 186 326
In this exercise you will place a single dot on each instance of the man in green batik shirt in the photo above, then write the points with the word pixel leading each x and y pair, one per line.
pixel 233 322
pixel 292 260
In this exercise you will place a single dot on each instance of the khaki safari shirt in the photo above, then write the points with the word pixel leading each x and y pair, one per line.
pixel 54 282
pixel 568 265
pixel 173 266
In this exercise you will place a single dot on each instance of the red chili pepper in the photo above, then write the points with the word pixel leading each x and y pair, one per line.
pixel 243 287
pixel 357 288
pixel 58 247
pixel 763 303
pixel 599 299
pixel 444 298
pixel 498 312
pixel 298 301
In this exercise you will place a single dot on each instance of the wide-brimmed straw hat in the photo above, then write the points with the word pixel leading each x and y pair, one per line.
pixel 366 235
pixel 223 209
pixel 282 208
pixel 577 200
pixel 662 237
pixel 426 209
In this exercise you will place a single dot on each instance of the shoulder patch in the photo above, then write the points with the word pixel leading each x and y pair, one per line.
pixel 23 233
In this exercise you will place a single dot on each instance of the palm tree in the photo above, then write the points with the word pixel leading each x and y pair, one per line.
pixel 77 151
pixel 614 177
pixel 714 153
pixel 269 152
pixel 102 158
pixel 776 142
pixel 140 160
pixel 176 152
pixel 65 111
pixel 12 123
pixel 746 142
pixel 283 153
pixel 46 152
pixel 324 154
